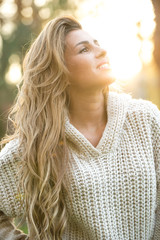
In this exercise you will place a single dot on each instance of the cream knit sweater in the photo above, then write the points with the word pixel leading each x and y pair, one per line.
pixel 115 187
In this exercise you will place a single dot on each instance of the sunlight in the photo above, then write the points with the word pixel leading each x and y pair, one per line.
pixel 8 9
pixel 124 28
pixel 14 74
pixel 146 51
pixel 27 12
pixel 7 29
pixel 26 3
pixel 40 3
pixel 44 13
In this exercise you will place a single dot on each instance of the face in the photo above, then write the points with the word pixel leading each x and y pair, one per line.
pixel 86 61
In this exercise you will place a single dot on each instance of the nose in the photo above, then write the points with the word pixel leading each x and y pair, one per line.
pixel 101 52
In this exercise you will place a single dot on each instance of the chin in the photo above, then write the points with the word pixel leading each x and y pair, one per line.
pixel 110 78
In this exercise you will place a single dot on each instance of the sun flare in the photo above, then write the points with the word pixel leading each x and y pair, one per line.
pixel 124 28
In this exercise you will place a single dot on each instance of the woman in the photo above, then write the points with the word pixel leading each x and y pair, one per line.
pixel 83 163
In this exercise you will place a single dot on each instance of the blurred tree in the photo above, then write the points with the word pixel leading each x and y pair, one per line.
pixel 156 38
pixel 20 22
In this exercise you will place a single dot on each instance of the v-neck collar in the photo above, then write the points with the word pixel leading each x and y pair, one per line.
pixel 116 112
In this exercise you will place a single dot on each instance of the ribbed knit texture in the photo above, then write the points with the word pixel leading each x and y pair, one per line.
pixel 114 187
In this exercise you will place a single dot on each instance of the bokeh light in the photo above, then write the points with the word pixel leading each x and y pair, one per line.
pixel 7 29
pixel 40 3
pixel 14 74
pixel 45 13
pixel 8 8
pixel 27 12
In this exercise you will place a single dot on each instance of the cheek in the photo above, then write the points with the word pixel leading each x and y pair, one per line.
pixel 80 66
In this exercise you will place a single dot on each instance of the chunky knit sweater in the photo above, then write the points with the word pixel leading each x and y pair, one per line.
pixel 114 187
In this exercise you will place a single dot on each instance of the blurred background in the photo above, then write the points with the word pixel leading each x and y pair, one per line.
pixel 129 31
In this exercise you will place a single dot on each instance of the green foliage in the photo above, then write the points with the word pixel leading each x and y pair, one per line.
pixel 22 226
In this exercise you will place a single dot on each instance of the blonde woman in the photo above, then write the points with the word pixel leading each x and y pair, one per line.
pixel 83 162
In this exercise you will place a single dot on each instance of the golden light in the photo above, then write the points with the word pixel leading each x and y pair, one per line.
pixel 14 74
pixel 146 51
pixel 124 28
pixel 44 13
pixel 8 8
pixel 26 3
pixel 27 12
pixel 7 29
pixel 40 3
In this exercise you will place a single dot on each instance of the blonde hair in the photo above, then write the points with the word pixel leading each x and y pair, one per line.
pixel 38 118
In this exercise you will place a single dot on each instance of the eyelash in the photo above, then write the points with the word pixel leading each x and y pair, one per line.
pixel 83 50
pixel 86 48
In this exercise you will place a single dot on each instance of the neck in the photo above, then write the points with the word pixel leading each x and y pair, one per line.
pixel 87 109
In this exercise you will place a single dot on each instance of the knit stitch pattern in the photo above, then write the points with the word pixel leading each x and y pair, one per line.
pixel 115 186
pixel 9 194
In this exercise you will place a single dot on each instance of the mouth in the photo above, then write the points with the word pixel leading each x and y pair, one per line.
pixel 104 65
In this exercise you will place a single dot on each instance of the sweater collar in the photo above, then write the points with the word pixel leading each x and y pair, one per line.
pixel 117 105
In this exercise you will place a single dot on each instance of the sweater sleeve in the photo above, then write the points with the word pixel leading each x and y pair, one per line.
pixel 155 127
pixel 9 196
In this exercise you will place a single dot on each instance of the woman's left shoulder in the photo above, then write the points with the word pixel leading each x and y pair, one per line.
pixel 135 109
pixel 145 108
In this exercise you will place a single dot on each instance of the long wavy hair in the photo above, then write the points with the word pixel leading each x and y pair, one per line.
pixel 38 118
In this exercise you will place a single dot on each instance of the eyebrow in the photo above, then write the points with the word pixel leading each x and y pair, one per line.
pixel 86 42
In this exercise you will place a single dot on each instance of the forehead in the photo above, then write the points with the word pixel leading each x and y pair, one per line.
pixel 77 36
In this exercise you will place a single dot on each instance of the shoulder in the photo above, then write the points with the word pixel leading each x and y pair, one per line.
pixel 9 159
pixel 144 110
pixel 139 107
pixel 142 106
pixel 136 111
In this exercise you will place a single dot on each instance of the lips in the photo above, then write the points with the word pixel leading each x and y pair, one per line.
pixel 104 65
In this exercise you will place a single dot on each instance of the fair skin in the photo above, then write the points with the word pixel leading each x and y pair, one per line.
pixel 89 74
